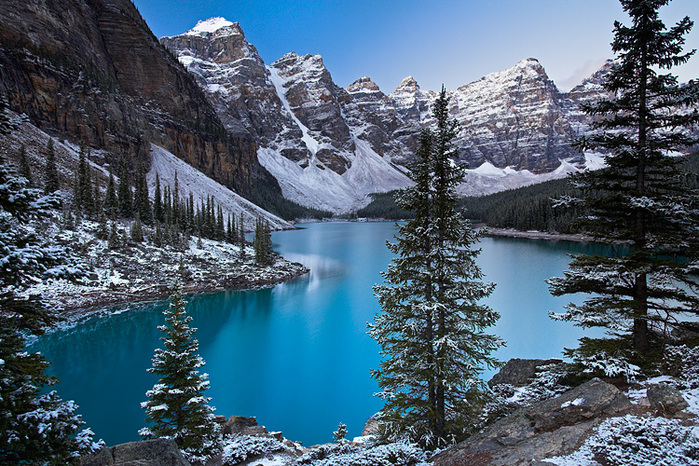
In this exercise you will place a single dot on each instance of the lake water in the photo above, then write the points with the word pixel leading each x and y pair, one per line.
pixel 297 355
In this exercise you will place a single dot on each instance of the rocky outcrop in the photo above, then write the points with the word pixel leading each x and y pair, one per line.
pixel 514 118
pixel 92 71
pixel 156 452
pixel 550 428
pixel 315 100
pixel 519 372
pixel 665 399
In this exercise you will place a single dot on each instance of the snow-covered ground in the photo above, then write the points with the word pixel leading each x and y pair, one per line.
pixel 166 165
pixel 642 438
pixel 142 271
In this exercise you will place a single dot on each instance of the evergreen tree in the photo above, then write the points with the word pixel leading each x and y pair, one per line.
pixel 158 211
pixel 83 201
pixel 125 196
pixel 431 330
pixel 263 243
pixel 51 184
pixel 231 234
pixel 37 426
pixel 137 229
pixel 177 406
pixel 141 200
pixel 241 237
pixel 640 197
pixel 111 205
pixel 24 168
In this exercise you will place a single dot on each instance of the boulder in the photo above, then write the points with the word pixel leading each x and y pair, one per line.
pixel 519 372
pixel 155 452
pixel 550 428
pixel 236 424
pixel 372 426
pixel 665 398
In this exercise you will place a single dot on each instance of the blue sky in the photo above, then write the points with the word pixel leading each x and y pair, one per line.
pixel 437 41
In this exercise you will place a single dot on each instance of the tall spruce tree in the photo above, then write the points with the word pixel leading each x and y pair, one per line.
pixel 432 328
pixel 51 183
pixel 24 168
pixel 83 202
pixel 177 406
pixel 262 242
pixel 639 198
pixel 141 200
pixel 124 194
pixel 158 211
pixel 111 205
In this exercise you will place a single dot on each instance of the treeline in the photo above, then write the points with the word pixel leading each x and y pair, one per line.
pixel 166 220
pixel 384 206
pixel 527 208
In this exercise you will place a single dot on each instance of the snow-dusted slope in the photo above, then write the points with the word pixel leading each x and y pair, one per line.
pixel 189 179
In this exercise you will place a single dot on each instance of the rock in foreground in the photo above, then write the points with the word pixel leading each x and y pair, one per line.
pixel 550 428
pixel 156 452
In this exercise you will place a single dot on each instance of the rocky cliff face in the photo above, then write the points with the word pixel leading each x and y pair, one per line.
pixel 93 71
pixel 515 118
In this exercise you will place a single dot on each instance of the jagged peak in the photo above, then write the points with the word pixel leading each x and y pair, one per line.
pixel 212 25
pixel 307 61
pixel 363 84
pixel 408 84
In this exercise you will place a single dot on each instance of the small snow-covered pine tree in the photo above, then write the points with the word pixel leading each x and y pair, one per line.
pixel 432 328
pixel 177 406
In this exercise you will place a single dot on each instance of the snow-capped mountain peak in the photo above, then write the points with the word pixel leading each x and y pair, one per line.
pixel 408 84
pixel 210 26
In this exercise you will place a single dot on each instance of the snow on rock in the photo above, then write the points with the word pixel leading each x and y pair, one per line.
pixel 209 26
pixel 318 187
pixel 166 165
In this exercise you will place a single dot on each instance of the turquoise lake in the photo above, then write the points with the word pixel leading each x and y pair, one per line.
pixel 297 355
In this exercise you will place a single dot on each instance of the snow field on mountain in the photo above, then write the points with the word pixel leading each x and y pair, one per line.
pixel 321 188
pixel 165 165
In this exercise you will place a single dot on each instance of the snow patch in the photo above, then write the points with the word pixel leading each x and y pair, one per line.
pixel 312 144
pixel 166 165
pixel 209 26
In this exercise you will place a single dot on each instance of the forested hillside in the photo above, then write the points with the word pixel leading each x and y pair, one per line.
pixel 528 208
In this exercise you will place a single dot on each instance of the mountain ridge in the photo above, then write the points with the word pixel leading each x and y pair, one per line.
pixel 515 125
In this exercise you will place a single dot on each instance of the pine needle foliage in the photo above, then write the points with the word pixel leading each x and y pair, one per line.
pixel 641 198
pixel 36 425
pixel 177 406
pixel 432 327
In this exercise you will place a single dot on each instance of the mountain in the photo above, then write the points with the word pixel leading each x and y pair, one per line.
pixel 93 72
pixel 296 113
pixel 330 147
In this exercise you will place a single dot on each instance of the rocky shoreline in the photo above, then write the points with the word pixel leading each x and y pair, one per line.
pixel 141 272
pixel 593 423
pixel 532 234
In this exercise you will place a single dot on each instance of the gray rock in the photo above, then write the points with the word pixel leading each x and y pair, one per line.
pixel 236 424
pixel 550 428
pixel 372 426
pixel 665 398
pixel 155 452
pixel 519 372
